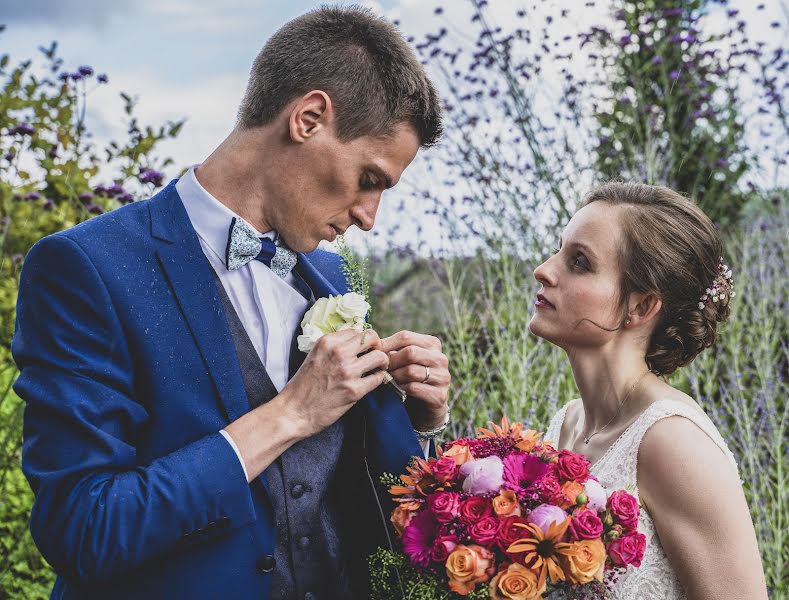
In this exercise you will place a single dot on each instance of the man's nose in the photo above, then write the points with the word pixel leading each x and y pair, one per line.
pixel 363 213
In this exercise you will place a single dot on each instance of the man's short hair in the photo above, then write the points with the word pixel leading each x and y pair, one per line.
pixel 371 74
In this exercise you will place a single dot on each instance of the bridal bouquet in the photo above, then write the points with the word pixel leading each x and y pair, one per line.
pixel 505 516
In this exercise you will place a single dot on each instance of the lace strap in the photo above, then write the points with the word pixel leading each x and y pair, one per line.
pixel 631 440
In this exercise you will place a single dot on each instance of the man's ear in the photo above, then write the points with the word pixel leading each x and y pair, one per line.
pixel 311 113
pixel 642 308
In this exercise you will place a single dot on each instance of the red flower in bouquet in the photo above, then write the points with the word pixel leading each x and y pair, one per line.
pixel 443 546
pixel 585 525
pixel 572 466
pixel 485 531
pixel 445 506
pixel 628 549
pixel 474 508
pixel 624 508
pixel 510 531
pixel 444 469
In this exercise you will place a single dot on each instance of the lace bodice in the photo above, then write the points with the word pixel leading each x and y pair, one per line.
pixel 617 469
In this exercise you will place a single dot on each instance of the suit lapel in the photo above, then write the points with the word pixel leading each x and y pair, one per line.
pixel 190 276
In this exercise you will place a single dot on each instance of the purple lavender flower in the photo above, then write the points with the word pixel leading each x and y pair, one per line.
pixel 85 71
pixel 115 190
pixel 151 176
pixel 85 197
pixel 32 196
pixel 95 209
pixel 76 76
pixel 674 75
pixel 657 60
pixel 102 78
pixel 22 129
pixel 126 198
pixel 49 205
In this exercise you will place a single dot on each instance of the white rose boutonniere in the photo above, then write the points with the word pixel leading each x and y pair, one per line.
pixel 337 313
pixel 334 313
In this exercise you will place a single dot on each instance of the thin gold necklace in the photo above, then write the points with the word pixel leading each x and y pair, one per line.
pixel 619 408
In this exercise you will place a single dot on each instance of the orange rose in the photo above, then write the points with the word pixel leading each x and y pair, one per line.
pixel 461 454
pixel 570 491
pixel 400 519
pixel 467 566
pixel 516 582
pixel 586 563
pixel 506 504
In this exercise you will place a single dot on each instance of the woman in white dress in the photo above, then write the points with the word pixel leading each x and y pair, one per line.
pixel 637 290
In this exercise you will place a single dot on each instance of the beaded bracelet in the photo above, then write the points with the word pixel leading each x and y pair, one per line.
pixel 431 433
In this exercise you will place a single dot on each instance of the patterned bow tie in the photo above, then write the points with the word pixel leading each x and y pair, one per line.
pixel 244 246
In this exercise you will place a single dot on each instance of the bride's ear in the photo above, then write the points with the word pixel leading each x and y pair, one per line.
pixel 642 308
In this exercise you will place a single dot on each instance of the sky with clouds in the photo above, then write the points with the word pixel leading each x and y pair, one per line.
pixel 190 59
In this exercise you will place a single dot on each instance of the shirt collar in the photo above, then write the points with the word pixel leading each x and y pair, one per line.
pixel 210 218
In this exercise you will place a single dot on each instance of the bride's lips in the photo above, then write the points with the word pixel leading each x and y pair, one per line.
pixel 541 302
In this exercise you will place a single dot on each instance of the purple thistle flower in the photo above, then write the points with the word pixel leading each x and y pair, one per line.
pixel 63 77
pixel 49 205
pixel 85 197
pixel 126 198
pixel 95 209
pixel 102 78
pixel 76 76
pixel 85 71
pixel 657 60
pixel 32 196
pixel 674 75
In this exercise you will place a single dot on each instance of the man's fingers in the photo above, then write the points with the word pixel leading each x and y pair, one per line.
pixel 401 339
pixel 416 374
pixel 416 355
pixel 372 361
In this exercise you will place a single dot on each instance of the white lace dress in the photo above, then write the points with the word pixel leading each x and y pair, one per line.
pixel 616 469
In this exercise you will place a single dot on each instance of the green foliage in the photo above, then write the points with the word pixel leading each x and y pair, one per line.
pixel 355 270
pixel 393 578
pixel 671 113
pixel 48 170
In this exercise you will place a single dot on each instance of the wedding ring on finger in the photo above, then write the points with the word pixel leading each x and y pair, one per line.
pixel 427 375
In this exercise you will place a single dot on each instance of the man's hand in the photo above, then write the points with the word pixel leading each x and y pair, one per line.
pixel 337 373
pixel 420 367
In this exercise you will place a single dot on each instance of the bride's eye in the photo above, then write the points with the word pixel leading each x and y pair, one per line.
pixel 580 262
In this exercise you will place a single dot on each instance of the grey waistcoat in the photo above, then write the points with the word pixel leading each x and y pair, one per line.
pixel 308 554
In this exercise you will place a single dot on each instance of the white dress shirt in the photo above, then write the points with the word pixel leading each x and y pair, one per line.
pixel 270 308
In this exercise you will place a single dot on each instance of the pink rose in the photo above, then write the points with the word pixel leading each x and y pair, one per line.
pixel 586 525
pixel 483 475
pixel 545 514
pixel 572 466
pixel 484 531
pixel 624 508
pixel 474 508
pixel 445 506
pixel 444 468
pixel 443 546
pixel 628 550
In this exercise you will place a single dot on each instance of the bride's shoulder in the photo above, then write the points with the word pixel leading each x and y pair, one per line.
pixel 681 430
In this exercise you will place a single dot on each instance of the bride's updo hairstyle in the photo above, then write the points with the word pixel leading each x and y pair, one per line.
pixel 670 247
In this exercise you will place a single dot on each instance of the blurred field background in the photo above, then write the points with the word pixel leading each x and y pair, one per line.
pixel 541 104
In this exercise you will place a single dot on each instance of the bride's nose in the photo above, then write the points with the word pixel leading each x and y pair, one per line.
pixel 544 273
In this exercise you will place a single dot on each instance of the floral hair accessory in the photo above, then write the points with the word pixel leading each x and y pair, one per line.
pixel 722 286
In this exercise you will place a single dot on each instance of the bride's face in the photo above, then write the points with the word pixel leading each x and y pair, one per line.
pixel 580 282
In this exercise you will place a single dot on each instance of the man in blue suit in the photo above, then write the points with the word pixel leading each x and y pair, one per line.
pixel 178 444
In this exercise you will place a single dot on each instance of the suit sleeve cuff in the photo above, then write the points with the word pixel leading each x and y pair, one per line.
pixel 230 441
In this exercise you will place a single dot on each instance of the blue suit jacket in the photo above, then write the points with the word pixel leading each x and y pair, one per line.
pixel 129 371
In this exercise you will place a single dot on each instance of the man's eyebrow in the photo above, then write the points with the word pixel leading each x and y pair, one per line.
pixel 380 173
